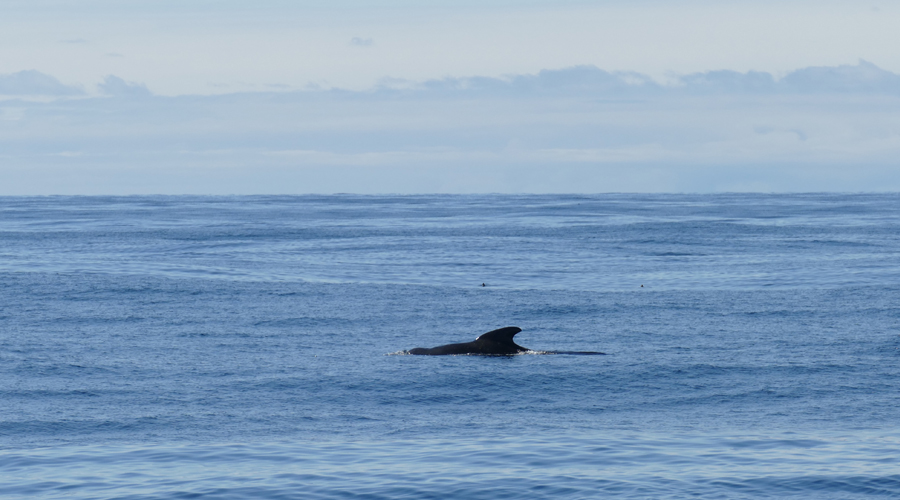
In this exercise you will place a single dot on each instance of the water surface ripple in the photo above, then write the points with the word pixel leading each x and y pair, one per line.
pixel 237 347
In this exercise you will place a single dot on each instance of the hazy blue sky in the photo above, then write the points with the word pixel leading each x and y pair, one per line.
pixel 103 96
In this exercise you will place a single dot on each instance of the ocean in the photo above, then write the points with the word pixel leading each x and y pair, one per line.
pixel 252 347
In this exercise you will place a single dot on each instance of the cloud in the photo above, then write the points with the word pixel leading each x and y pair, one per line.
pixel 729 82
pixel 865 77
pixel 815 129
pixel 35 83
pixel 362 42
pixel 117 87
pixel 575 80
pixel 862 78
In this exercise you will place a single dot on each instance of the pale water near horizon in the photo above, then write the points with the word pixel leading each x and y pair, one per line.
pixel 238 347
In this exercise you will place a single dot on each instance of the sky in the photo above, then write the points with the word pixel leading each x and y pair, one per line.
pixel 292 97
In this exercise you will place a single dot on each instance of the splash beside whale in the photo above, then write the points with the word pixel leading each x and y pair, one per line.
pixel 494 343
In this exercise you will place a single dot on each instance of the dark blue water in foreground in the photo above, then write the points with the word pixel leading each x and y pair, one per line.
pixel 195 347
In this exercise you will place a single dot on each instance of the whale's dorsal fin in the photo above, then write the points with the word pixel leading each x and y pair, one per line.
pixel 501 335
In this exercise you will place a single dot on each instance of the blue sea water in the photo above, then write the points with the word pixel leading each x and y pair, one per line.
pixel 248 347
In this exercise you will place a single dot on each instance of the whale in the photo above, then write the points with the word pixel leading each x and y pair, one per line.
pixel 497 342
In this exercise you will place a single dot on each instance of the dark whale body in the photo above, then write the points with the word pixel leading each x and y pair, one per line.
pixel 497 342
pixel 494 343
